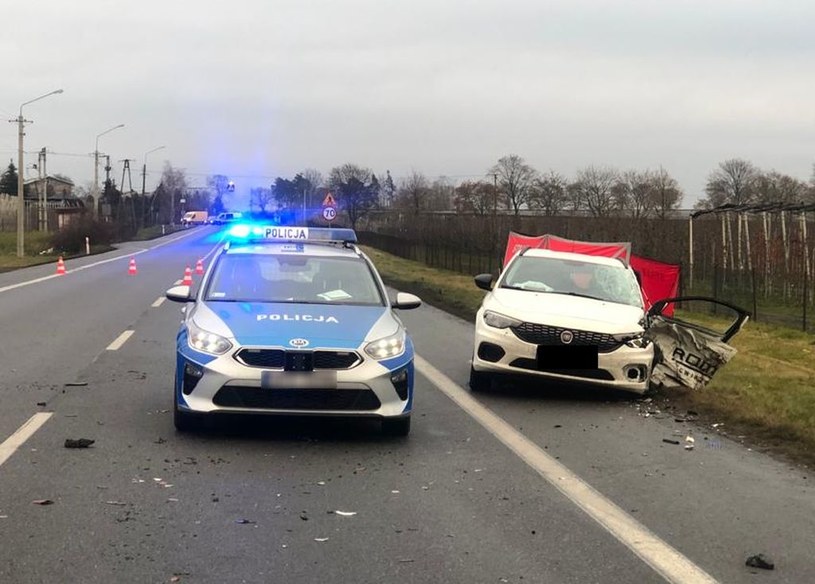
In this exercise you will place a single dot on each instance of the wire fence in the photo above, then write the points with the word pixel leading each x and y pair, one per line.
pixel 763 263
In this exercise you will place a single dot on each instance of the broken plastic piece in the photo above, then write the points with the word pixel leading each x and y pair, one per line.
pixel 760 561
pixel 346 513
pixel 78 443
pixel 42 502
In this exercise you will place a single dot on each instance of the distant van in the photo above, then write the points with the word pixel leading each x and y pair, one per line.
pixel 194 218
pixel 224 218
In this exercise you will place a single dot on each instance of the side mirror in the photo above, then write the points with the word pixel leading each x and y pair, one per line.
pixel 484 281
pixel 179 294
pixel 405 301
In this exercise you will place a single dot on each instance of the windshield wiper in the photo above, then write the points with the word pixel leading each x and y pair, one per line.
pixel 582 295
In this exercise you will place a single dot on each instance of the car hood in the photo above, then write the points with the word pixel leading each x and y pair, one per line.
pixel 277 324
pixel 566 311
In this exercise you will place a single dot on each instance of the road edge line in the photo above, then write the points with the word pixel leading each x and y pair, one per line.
pixel 11 444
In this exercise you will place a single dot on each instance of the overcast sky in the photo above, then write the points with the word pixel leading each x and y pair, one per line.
pixel 259 88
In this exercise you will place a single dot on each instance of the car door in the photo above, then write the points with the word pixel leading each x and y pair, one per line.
pixel 691 334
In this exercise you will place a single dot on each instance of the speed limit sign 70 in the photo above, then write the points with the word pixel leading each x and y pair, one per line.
pixel 329 213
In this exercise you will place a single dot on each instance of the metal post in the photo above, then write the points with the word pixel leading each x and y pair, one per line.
pixel 20 196
pixel 690 251
pixel 96 180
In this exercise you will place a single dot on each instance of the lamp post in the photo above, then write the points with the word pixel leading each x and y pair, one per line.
pixel 96 205
pixel 20 171
pixel 144 168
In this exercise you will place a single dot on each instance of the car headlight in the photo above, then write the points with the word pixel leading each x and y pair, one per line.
pixel 633 340
pixel 496 320
pixel 205 341
pixel 387 347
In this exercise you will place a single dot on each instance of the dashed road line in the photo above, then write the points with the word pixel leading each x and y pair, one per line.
pixel 649 547
pixel 23 433
pixel 120 340
pixel 159 301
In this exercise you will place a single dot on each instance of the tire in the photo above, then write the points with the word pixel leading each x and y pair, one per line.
pixel 396 426
pixel 479 381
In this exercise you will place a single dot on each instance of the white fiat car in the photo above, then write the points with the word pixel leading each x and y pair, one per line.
pixel 574 317
pixel 563 316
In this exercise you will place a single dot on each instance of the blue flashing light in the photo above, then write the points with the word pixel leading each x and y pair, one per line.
pixel 271 233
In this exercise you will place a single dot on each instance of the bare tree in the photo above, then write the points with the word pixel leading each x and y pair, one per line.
pixel 594 188
pixel 440 195
pixel 775 187
pixel 477 197
pixel 633 192
pixel 666 192
pixel 314 180
pixel 261 197
pixel 354 189
pixel 413 192
pixel 733 182
pixel 515 178
pixel 548 193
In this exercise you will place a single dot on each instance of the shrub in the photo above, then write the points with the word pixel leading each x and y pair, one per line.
pixel 71 238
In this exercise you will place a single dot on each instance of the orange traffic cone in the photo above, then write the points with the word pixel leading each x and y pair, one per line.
pixel 187 281
pixel 132 268
pixel 199 267
pixel 60 267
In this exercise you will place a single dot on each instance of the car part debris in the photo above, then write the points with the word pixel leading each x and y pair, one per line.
pixel 78 443
pixel 669 441
pixel 42 502
pixel 76 384
pixel 760 561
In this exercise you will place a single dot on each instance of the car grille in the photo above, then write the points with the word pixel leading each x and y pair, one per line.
pixel 235 396
pixel 541 334
pixel 532 365
pixel 276 358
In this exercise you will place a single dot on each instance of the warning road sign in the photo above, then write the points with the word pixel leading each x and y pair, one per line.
pixel 329 201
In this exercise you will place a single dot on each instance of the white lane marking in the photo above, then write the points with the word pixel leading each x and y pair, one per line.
pixel 23 433
pixel 93 265
pixel 664 559
pixel 120 340
pixel 159 301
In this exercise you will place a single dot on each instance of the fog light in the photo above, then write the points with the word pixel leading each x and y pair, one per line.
pixel 399 379
pixel 192 375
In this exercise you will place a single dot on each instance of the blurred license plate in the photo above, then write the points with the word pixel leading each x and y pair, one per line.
pixel 298 380
pixel 556 357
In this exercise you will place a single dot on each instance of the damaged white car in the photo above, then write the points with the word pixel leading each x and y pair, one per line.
pixel 563 316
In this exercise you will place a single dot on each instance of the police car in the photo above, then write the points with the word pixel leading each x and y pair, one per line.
pixel 293 320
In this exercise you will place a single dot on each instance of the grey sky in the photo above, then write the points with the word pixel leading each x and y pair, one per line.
pixel 259 88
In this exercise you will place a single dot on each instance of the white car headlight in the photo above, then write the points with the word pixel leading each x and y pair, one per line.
pixel 497 320
pixel 205 341
pixel 387 347
pixel 633 340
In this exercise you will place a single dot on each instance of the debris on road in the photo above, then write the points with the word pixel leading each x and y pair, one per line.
pixel 76 384
pixel 669 441
pixel 78 443
pixel 760 561
pixel 320 539
pixel 117 503
pixel 244 521
pixel 160 440
pixel 346 513
pixel 42 404
pixel 689 442
pixel 42 502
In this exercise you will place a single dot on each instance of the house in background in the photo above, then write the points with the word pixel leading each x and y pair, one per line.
pixel 61 205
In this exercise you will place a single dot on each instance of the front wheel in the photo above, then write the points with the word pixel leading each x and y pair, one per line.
pixel 396 426
pixel 479 381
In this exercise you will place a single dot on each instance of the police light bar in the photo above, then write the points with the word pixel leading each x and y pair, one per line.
pixel 259 233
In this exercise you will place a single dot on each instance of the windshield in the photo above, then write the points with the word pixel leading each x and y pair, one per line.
pixel 298 279
pixel 561 276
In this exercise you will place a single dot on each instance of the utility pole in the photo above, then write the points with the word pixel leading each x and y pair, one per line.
pixel 126 169
pixel 43 214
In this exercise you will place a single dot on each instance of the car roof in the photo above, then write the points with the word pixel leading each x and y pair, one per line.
pixel 579 257
pixel 285 248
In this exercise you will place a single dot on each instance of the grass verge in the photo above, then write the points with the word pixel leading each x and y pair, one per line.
pixel 36 244
pixel 765 396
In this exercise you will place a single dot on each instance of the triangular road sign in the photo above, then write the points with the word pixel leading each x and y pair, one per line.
pixel 329 201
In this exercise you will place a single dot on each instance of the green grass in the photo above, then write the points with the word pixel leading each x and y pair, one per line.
pixel 767 392
pixel 35 242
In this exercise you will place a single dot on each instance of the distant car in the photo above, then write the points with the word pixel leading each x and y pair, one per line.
pixel 561 316
pixel 195 218
pixel 224 218
pixel 293 320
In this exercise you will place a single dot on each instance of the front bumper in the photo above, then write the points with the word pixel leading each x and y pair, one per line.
pixel 501 351
pixel 209 384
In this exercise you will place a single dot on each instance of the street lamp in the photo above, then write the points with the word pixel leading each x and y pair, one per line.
pixel 144 168
pixel 96 205
pixel 20 171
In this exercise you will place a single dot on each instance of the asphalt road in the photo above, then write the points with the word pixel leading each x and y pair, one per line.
pixel 521 484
